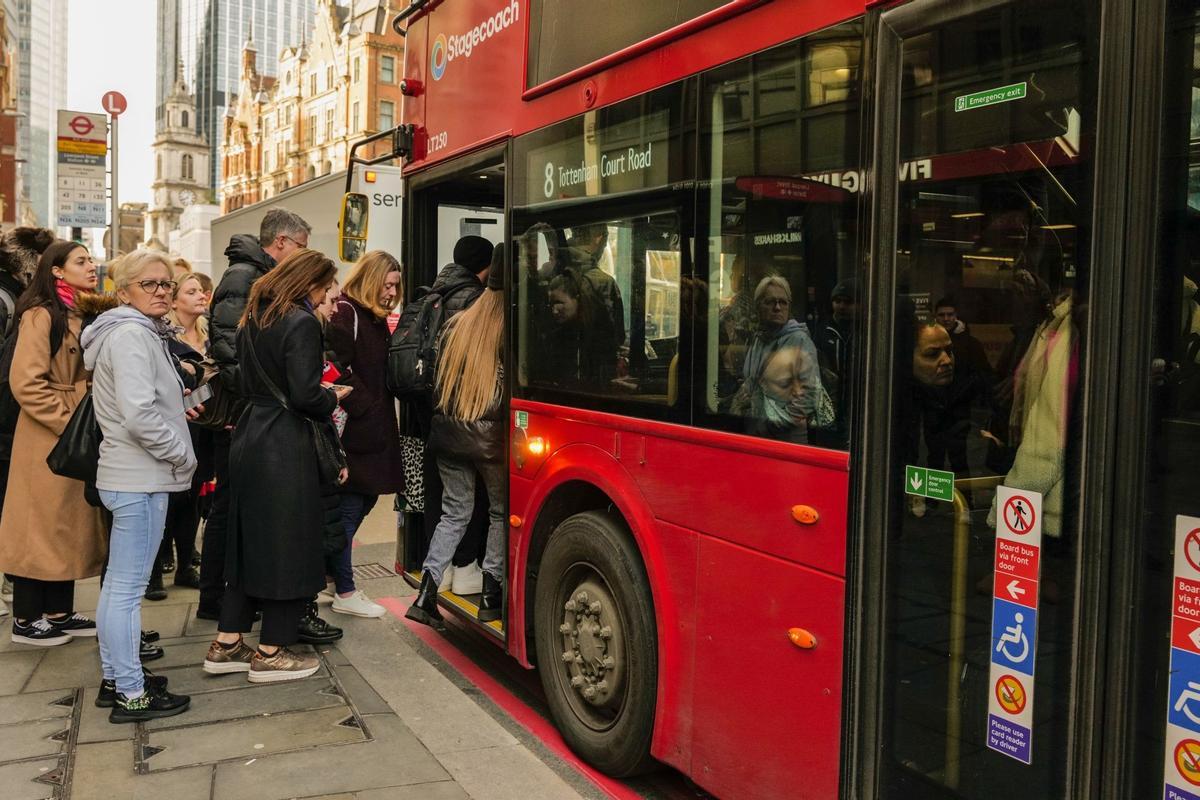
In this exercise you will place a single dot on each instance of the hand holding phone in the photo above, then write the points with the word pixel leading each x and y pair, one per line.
pixel 195 398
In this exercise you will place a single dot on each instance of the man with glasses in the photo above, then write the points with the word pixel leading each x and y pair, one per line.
pixel 281 234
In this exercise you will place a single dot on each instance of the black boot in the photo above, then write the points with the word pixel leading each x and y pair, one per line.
pixel 314 630
pixel 155 590
pixel 489 602
pixel 424 609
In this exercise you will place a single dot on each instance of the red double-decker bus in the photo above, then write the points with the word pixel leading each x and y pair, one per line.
pixel 854 379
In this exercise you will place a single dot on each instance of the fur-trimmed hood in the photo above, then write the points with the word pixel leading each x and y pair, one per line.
pixel 93 305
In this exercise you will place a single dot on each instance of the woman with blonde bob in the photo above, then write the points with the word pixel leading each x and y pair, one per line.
pixel 275 554
pixel 145 455
pixel 467 437
pixel 358 336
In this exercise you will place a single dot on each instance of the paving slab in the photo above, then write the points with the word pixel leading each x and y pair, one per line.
pixel 393 758
pixel 442 790
pixel 67 666
pixel 30 739
pixel 194 680
pixel 364 698
pixel 105 772
pixel 169 619
pixel 19 781
pixel 29 707
pixel 255 700
pixel 250 738
pixel 432 706
pixel 94 725
pixel 17 666
pixel 505 773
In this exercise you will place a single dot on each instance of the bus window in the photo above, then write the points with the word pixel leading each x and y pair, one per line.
pixel 780 135
pixel 602 300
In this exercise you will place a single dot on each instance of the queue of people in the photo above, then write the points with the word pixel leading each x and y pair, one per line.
pixel 300 373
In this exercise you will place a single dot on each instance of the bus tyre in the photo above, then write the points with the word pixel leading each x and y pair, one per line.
pixel 597 644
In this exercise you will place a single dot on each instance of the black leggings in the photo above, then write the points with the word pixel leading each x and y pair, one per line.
pixel 280 622
pixel 33 598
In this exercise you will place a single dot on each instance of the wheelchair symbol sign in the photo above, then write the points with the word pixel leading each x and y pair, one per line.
pixel 1184 698
pixel 1014 633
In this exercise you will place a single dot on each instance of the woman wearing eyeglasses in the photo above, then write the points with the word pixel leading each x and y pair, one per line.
pixel 146 454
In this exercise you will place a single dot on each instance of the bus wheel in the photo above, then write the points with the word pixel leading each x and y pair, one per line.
pixel 596 643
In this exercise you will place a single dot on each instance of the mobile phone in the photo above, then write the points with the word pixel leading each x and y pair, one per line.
pixel 197 397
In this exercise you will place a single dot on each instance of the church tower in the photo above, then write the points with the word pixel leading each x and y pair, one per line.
pixel 181 165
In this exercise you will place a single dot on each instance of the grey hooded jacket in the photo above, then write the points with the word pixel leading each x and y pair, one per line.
pixel 138 398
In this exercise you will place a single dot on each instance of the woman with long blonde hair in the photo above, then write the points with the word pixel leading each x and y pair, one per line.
pixel 275 548
pixel 467 438
pixel 358 335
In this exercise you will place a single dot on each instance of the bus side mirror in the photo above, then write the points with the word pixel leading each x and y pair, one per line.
pixel 352 231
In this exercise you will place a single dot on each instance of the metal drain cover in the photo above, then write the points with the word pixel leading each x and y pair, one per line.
pixel 369 571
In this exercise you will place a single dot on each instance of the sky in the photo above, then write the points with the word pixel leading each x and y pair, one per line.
pixel 111 46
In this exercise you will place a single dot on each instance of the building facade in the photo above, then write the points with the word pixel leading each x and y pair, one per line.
pixel 340 85
pixel 206 37
pixel 181 167
pixel 41 91
pixel 11 189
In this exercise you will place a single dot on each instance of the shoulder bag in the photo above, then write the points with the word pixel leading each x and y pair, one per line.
pixel 76 455
pixel 331 459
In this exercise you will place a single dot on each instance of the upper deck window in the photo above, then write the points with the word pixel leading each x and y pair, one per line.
pixel 567 34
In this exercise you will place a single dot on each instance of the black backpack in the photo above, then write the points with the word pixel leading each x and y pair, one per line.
pixel 413 348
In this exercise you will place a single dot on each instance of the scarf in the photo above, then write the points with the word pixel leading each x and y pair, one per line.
pixel 65 292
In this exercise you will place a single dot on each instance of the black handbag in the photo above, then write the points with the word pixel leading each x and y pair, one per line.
pixel 223 409
pixel 76 455
pixel 331 459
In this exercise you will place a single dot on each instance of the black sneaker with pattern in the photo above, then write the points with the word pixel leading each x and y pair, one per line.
pixel 39 632
pixel 74 625
pixel 107 696
pixel 152 704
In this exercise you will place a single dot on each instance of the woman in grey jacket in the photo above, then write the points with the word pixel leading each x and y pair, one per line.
pixel 145 455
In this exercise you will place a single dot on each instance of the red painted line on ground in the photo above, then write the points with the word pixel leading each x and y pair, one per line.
pixel 522 714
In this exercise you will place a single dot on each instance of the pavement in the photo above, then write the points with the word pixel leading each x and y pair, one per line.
pixel 383 719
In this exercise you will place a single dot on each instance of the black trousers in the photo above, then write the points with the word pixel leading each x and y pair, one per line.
pixel 212 557
pixel 33 598
pixel 280 618
pixel 183 518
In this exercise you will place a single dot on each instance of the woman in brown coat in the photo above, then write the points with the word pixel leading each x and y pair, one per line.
pixel 50 536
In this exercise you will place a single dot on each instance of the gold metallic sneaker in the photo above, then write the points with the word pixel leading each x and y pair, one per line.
pixel 222 661
pixel 284 665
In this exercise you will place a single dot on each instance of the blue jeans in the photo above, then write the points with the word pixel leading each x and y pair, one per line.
pixel 458 504
pixel 355 508
pixel 137 531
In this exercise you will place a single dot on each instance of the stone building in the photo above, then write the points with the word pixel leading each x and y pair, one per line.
pixel 340 85
pixel 181 166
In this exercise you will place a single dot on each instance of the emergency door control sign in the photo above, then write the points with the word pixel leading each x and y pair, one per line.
pixel 1014 622
pixel 1181 770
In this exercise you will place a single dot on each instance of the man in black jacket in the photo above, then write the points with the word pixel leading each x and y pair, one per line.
pixel 281 233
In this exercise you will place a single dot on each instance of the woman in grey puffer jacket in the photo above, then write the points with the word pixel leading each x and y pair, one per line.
pixel 145 455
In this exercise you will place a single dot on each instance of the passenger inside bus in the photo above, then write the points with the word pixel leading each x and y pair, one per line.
pixel 781 396
pixel 599 289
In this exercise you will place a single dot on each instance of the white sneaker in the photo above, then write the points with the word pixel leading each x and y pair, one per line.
pixel 327 594
pixel 467 580
pixel 358 604
pixel 447 578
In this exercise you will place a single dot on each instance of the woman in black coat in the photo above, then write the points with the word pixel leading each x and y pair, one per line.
pixel 274 561
pixel 358 336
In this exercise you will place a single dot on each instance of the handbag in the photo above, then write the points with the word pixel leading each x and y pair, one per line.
pixel 76 454
pixel 331 459
pixel 225 407
pixel 412 455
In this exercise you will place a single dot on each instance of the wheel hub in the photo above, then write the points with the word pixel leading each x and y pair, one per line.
pixel 592 644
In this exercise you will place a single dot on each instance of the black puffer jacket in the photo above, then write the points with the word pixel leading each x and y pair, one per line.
pixel 471 442
pixel 247 263
pixel 459 288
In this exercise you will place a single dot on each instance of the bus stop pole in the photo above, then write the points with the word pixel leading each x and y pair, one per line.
pixel 114 245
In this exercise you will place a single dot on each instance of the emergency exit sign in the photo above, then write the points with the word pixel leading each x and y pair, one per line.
pixel 932 483
pixel 991 97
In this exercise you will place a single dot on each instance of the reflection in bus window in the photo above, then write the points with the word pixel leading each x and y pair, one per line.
pixel 780 135
pixel 602 299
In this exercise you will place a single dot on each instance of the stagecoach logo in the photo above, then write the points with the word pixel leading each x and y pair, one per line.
pixel 447 48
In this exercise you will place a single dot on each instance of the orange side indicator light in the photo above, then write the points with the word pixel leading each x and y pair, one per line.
pixel 537 446
pixel 805 515
pixel 515 521
pixel 370 176
pixel 802 638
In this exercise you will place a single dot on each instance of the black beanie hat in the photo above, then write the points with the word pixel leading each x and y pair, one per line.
pixel 496 275
pixel 473 252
